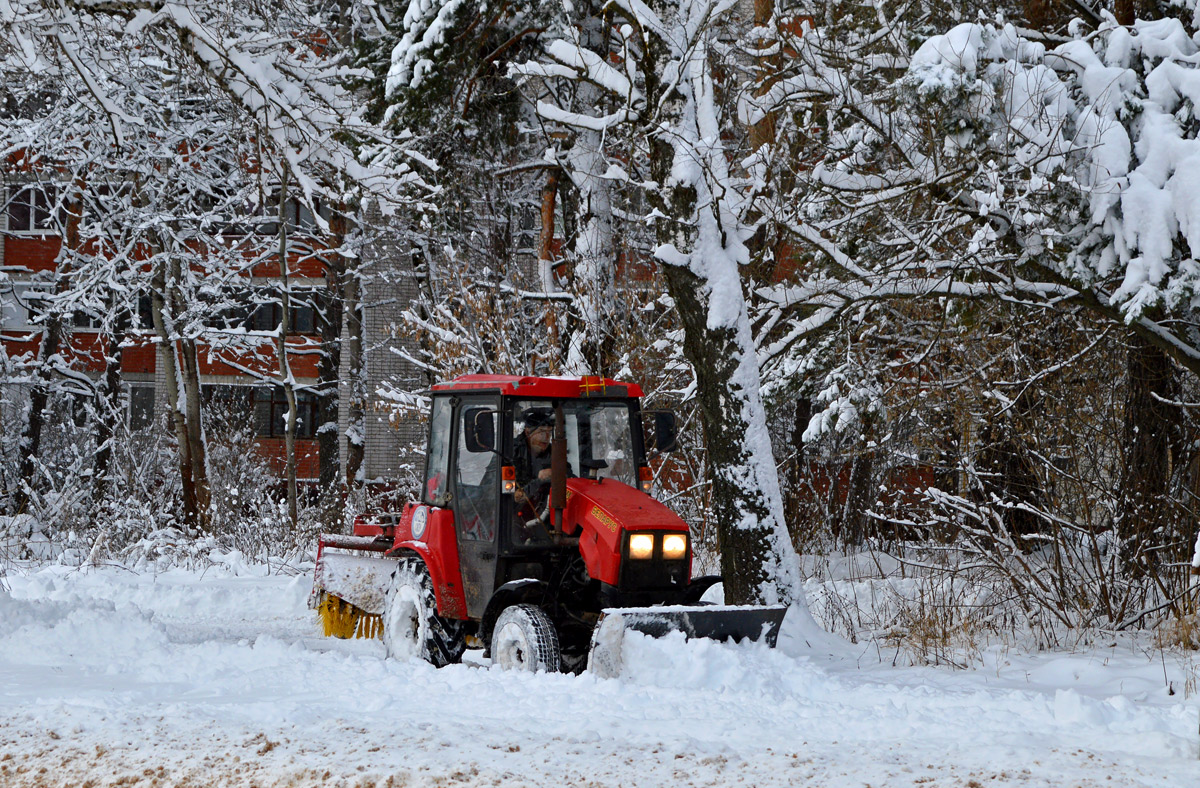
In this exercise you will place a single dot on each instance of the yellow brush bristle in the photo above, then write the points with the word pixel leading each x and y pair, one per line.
pixel 369 626
pixel 340 619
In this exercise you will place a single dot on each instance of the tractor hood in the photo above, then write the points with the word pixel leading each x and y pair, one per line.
pixel 598 512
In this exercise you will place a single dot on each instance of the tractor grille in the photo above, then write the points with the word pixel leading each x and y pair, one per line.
pixel 656 572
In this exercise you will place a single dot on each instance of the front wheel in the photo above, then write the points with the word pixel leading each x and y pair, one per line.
pixel 411 625
pixel 525 639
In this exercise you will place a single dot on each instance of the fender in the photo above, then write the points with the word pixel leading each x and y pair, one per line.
pixel 437 546
pixel 514 592
pixel 698 586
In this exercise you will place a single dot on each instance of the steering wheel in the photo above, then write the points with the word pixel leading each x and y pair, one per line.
pixel 537 490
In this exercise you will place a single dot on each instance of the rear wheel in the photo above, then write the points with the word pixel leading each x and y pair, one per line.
pixel 411 625
pixel 524 639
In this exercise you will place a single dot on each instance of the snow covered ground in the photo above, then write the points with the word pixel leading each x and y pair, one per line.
pixel 110 678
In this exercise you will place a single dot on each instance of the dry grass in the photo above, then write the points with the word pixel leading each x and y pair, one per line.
pixel 943 607
pixel 1179 631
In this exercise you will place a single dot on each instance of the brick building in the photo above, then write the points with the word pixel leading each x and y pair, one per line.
pixel 236 368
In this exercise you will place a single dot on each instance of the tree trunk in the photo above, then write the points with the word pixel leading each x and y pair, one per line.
pixel 546 261
pixel 182 370
pixel 354 351
pixel 330 314
pixel 1127 11
pixel 197 449
pixel 108 407
pixel 39 399
pixel 1151 437
pixel 852 520
pixel 591 350
pixel 763 132
pixel 169 358
pixel 285 369
pixel 699 251
pixel 1007 471
pixel 746 501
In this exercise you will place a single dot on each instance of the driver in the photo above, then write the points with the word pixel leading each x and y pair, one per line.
pixel 532 458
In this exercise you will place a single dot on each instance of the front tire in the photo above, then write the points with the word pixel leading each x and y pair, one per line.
pixel 411 625
pixel 525 639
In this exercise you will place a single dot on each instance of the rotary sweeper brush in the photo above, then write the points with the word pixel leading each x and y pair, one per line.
pixel 535 538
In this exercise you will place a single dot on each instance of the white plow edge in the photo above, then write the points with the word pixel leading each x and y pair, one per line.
pixel 604 656
pixel 361 580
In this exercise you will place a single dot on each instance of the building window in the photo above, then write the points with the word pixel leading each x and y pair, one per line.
pixel 141 406
pixel 298 216
pixel 102 200
pixel 265 407
pixel 270 413
pixel 302 317
pixel 228 408
pixel 145 312
pixel 81 319
pixel 29 209
pixel 23 306
pixel 19 305
pixel 256 311
pixel 237 400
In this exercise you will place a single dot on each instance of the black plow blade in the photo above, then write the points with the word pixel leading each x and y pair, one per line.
pixel 716 622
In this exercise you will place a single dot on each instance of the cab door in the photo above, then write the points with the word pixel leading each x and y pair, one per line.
pixel 475 474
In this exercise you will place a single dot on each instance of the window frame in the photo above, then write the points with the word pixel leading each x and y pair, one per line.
pixel 299 217
pixel 135 417
pixel 21 296
pixel 273 400
pixel 435 483
pixel 265 315
pixel 49 193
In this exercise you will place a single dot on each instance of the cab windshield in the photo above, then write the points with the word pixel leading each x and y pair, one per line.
pixel 599 439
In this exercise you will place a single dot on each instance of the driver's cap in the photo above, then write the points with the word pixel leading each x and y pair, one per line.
pixel 537 417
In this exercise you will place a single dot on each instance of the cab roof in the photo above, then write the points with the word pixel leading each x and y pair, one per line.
pixel 541 388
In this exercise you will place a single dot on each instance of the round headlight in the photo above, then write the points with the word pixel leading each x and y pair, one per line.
pixel 641 546
pixel 419 521
pixel 674 546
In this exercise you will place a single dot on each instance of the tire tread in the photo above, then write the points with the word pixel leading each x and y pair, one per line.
pixel 544 637
pixel 445 642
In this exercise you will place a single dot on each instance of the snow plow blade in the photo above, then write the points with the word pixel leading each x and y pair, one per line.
pixel 716 622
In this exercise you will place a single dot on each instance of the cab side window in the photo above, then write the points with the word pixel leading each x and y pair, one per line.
pixel 476 476
pixel 437 463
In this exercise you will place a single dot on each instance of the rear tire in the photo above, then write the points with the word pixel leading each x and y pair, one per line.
pixel 525 639
pixel 411 625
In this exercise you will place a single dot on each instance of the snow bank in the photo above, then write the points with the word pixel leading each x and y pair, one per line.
pixel 17 613
pixel 748 669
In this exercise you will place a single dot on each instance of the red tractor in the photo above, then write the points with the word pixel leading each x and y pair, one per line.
pixel 535 525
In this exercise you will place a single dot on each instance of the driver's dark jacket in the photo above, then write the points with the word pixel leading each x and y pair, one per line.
pixel 528 466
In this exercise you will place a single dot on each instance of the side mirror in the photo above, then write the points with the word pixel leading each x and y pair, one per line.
pixel 479 430
pixel 666 433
